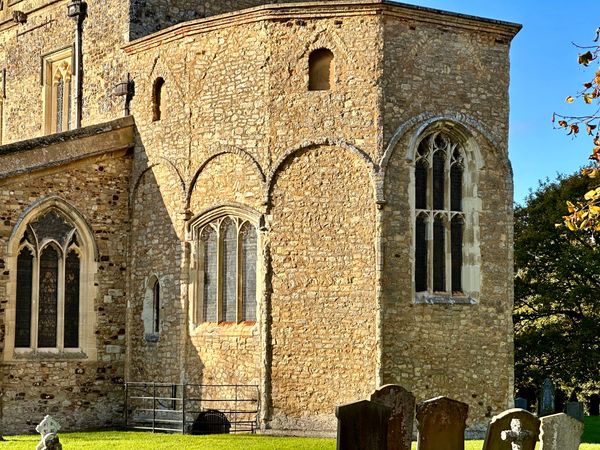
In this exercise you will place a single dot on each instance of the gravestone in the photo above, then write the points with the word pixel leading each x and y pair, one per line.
pixel 400 424
pixel 525 428
pixel 575 410
pixel 547 395
pixel 595 405
pixel 441 424
pixel 521 403
pixel 362 426
pixel 48 429
pixel 560 432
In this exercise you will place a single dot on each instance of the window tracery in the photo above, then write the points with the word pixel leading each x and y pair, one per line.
pixel 225 261
pixel 440 217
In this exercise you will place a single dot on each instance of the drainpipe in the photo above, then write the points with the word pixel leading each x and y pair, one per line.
pixel 77 10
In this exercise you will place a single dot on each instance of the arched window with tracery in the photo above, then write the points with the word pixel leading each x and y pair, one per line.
pixel 320 70
pixel 440 169
pixel 225 261
pixel 48 284
pixel 58 91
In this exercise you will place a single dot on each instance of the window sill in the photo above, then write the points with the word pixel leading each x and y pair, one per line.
pixel 26 354
pixel 425 298
pixel 152 338
pixel 247 328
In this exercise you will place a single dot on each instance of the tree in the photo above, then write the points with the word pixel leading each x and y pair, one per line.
pixel 557 285
pixel 585 213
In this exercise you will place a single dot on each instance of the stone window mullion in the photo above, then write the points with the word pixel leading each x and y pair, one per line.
pixel 239 272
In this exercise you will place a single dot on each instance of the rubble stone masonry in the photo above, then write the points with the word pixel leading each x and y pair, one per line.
pixel 326 176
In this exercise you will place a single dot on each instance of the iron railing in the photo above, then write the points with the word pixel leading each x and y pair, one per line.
pixel 191 408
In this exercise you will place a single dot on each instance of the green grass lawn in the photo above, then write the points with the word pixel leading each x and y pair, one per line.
pixel 146 441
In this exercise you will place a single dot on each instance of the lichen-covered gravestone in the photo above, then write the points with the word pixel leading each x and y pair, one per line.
pixel 560 432
pixel 362 425
pixel 441 424
pixel 400 425
pixel 48 429
pixel 514 429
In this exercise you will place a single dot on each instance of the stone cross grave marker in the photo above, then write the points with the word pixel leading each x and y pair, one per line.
pixel 527 426
pixel 48 428
pixel 516 435
pixel 547 395
pixel 362 425
pixel 400 424
pixel 560 432
pixel 441 424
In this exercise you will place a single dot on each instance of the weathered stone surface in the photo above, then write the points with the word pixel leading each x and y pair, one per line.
pixel 560 432
pixel 362 425
pixel 528 425
pixel 546 404
pixel 239 128
pixel 400 425
pixel 575 410
pixel 441 424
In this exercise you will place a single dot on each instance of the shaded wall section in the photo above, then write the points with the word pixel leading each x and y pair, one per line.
pixel 323 301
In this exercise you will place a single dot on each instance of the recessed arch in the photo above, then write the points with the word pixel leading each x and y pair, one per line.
pixel 370 166
pixel 167 163
pixel 215 154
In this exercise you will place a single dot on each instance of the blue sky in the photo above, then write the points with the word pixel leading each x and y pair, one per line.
pixel 544 71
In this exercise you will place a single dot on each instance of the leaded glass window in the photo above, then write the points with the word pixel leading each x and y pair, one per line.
pixel 156 307
pixel 227 261
pixel 57 73
pixel 439 215
pixel 49 276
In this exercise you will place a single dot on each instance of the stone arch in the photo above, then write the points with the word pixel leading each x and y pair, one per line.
pixel 323 224
pixel 140 177
pixel 214 154
pixel 87 253
pixel 462 126
pixel 372 167
pixel 40 206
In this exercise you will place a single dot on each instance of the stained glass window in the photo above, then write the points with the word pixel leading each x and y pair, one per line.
pixel 71 318
pixel 439 225
pixel 24 291
pixel 60 94
pixel 48 298
pixel 229 271
pixel 56 276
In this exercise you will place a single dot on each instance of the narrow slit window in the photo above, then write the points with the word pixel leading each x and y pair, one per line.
pixel 157 99
pixel 156 307
pixel 320 64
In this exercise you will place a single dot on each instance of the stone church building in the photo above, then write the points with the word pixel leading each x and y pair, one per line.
pixel 310 197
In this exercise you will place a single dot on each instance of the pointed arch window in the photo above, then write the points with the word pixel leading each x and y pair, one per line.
pixel 48 285
pixel 57 73
pixel 225 262
pixel 441 219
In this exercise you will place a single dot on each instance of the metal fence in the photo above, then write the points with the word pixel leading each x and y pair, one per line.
pixel 191 408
